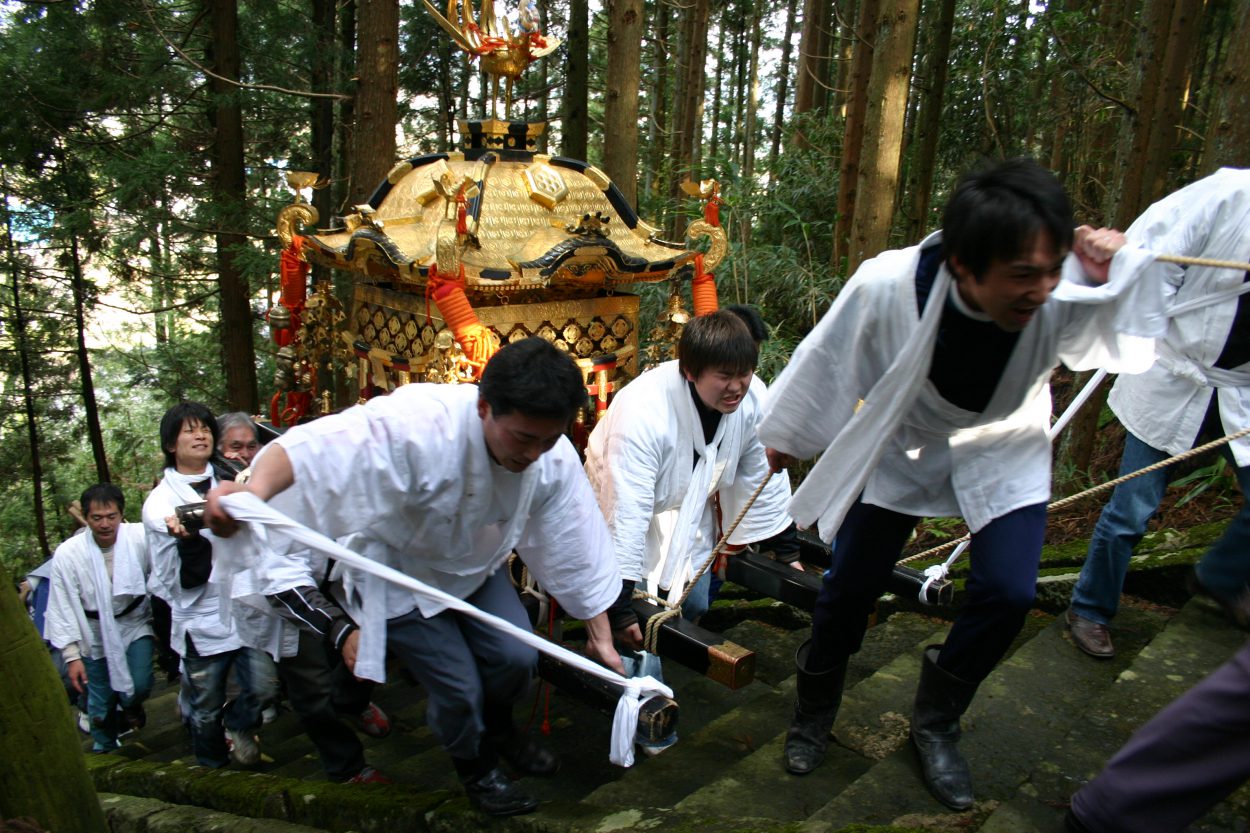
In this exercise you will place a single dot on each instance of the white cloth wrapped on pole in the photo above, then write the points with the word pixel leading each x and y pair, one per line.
pixel 247 508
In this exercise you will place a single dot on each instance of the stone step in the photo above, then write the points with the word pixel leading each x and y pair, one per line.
pixel 130 814
pixel 1195 642
pixel 1023 710
pixel 779 795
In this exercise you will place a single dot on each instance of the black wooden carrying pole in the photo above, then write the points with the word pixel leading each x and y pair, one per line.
pixel 785 584
pixel 698 648
pixel 656 719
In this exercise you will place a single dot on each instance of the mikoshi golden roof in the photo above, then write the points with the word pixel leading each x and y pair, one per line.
pixel 514 220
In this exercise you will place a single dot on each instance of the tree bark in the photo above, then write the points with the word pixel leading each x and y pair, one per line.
pixel 1172 93
pixel 718 81
pixel 808 93
pixel 751 118
pixel 238 354
pixel 1125 195
pixel 1228 133
pixel 28 385
pixel 322 129
pixel 657 130
pixel 42 768
pixel 342 196
pixel 376 108
pixel 883 130
pixel 620 118
pixel 928 126
pixel 95 436
pixel 688 98
pixel 783 78
pixel 576 124
pixel 853 131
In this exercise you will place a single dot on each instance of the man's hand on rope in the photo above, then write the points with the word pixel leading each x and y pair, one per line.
pixel 629 636
pixel 778 460
pixel 1095 248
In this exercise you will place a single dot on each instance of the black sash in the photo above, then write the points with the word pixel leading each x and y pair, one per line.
pixel 130 608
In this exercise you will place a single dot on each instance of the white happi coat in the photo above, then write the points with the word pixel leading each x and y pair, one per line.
pixel 406 480
pixel 80 583
pixel 1165 406
pixel 656 493
pixel 908 449
pixel 195 610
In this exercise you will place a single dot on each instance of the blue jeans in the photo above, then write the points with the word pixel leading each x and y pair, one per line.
pixel 102 700
pixel 206 681
pixel 1224 568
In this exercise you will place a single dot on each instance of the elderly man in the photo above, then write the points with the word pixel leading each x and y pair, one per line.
pixel 925 386
pixel 98 614
pixel 238 440
pixel 443 482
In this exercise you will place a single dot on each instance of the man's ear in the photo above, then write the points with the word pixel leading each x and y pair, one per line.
pixel 483 408
pixel 958 270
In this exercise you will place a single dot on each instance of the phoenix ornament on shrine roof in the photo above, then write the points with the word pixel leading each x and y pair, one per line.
pixel 503 52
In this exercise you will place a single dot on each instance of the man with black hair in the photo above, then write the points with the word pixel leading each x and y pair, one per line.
pixel 182 562
pixel 98 615
pixel 676 459
pixel 926 388
pixel 443 482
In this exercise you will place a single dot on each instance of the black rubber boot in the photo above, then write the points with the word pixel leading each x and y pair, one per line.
pixel 815 707
pixel 526 755
pixel 941 700
pixel 489 789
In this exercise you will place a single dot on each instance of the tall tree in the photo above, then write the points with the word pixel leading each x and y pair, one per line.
pixel 620 117
pixel 933 75
pixel 376 111
pixel 1126 195
pixel 230 195
pixel 1228 135
pixel 782 88
pixel 688 98
pixel 575 128
pixel 23 350
pixel 813 66
pixel 1171 97
pixel 853 131
pixel 881 155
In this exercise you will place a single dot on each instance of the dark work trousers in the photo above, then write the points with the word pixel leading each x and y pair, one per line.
pixel 312 684
pixel 999 592
pixel 1188 758
pixel 467 668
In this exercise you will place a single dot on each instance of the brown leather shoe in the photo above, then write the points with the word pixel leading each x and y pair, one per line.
pixel 1091 637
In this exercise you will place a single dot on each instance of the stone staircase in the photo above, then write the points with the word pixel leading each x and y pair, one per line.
pixel 1043 722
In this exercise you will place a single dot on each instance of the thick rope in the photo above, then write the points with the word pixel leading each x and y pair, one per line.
pixel 1093 490
pixel 652 635
pixel 1203 261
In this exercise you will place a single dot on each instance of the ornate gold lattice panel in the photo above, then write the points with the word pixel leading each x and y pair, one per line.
pixel 394 323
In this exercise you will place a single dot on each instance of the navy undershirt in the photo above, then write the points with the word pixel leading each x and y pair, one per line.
pixel 709 418
pixel 970 355
pixel 1236 350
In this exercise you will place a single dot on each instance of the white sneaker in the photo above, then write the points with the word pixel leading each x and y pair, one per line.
pixel 244 747
pixel 84 722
